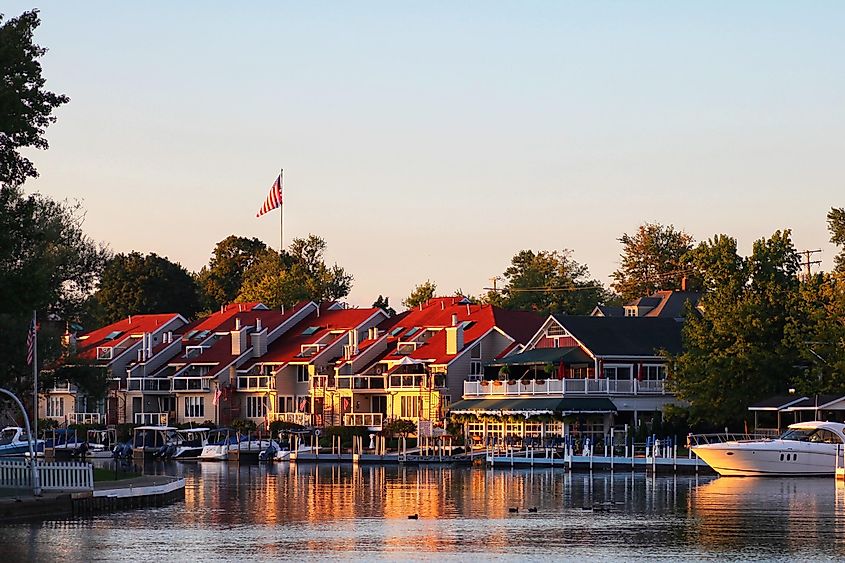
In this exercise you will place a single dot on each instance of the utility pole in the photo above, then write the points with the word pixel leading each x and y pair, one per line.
pixel 807 264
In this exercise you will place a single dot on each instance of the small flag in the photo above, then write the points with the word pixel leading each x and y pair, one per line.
pixel 303 404
pixel 30 342
pixel 274 198
pixel 216 400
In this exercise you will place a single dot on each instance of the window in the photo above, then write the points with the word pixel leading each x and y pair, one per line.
pixel 410 407
pixel 617 372
pixel 112 335
pixel 654 373
pixel 396 331
pixel 580 371
pixel 310 330
pixel 413 331
pixel 555 330
pixel 475 353
pixel 194 407
pixel 256 407
pixel 630 311
pixel 476 368
pixel 285 404
pixel 302 373
pixel 55 406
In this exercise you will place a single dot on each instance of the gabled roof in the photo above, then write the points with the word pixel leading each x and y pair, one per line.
pixel 672 303
pixel 624 336
pixel 229 312
pixel 540 356
pixel 124 333
pixel 608 311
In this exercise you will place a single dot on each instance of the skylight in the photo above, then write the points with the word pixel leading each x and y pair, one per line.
pixel 396 330
pixel 203 334
pixel 112 335
pixel 413 331
pixel 191 334
pixel 310 330
pixel 467 324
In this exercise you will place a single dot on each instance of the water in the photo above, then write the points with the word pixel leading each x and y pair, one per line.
pixel 325 512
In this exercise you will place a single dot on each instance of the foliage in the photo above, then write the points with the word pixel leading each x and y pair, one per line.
pixel 399 427
pixel 346 433
pixel 383 303
pixel 26 108
pixel 220 282
pixel 421 293
pixel 91 379
pixel 299 274
pixel 244 425
pixel 836 226
pixel 739 351
pixel 282 426
pixel 137 284
pixel 549 282
pixel 651 260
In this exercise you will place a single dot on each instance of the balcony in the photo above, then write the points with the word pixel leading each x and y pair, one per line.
pixel 416 380
pixel 322 382
pixel 85 418
pixel 255 383
pixel 149 384
pixel 372 420
pixel 63 387
pixel 151 418
pixel 300 418
pixel 361 382
pixel 192 383
pixel 561 387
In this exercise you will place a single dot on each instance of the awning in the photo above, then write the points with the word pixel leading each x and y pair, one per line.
pixel 528 407
pixel 776 403
pixel 571 355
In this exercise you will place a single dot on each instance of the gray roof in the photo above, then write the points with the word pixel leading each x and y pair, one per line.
pixel 625 336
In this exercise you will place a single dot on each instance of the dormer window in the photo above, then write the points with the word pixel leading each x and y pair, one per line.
pixel 630 311
pixel 405 348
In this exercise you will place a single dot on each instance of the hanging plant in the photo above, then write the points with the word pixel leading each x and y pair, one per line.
pixel 484 383
pixel 540 382
pixel 511 381
pixel 504 371
pixel 549 368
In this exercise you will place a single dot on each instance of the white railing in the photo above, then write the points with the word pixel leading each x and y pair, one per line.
pixel 255 382
pixel 301 418
pixel 151 418
pixel 148 384
pixel 368 419
pixel 360 382
pixel 53 476
pixel 192 383
pixel 63 387
pixel 718 438
pixel 85 418
pixel 559 387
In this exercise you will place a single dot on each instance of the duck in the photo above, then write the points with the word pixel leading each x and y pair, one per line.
pixel 513 510
pixel 532 509
pixel 413 517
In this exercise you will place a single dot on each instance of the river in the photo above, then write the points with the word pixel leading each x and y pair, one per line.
pixel 325 512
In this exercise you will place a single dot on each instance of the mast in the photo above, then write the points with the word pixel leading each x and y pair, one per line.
pixel 281 213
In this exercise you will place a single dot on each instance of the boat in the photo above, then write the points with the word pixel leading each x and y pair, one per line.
pixel 190 443
pixel 226 443
pixel 99 444
pixel 63 443
pixel 804 449
pixel 149 440
pixel 14 441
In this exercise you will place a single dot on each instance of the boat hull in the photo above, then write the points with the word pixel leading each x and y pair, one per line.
pixel 769 458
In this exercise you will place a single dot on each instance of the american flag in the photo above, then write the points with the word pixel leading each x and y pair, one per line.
pixel 30 342
pixel 274 198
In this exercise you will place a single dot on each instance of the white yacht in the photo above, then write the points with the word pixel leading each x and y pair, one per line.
pixel 221 441
pixel 14 441
pixel 806 448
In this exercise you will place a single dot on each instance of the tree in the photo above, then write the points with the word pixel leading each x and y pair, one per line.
pixel 836 226
pixel 137 284
pixel 651 261
pixel 420 294
pixel 26 108
pixel 549 282
pixel 299 274
pixel 383 303
pixel 739 351
pixel 220 282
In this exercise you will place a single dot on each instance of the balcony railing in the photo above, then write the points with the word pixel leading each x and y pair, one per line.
pixel 255 382
pixel 85 418
pixel 560 387
pixel 410 380
pixel 301 418
pixel 322 382
pixel 192 383
pixel 149 384
pixel 363 382
pixel 63 387
pixel 372 420
pixel 151 418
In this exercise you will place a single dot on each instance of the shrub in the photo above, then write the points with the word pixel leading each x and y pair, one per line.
pixel 244 425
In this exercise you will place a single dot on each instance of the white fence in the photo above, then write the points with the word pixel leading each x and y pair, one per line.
pixel 53 476
pixel 151 418
pixel 85 418
pixel 560 387
pixel 369 419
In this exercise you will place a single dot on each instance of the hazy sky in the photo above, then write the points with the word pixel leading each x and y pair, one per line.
pixel 435 140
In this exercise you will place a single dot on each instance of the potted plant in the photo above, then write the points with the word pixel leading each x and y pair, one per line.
pixel 484 383
pixel 504 372
pixel 540 382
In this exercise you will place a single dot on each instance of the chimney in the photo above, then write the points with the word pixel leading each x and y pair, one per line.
pixel 454 339
pixel 237 324
pixel 684 283
pixel 259 340
pixel 239 339
pixel 454 319
pixel 258 325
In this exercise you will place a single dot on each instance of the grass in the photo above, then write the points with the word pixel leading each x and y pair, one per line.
pixel 102 474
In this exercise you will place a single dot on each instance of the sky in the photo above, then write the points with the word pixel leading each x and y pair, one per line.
pixel 434 140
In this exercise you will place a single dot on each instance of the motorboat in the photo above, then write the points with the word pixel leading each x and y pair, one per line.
pixel 224 441
pixel 191 442
pixel 805 448
pixel 14 441
pixel 147 441
pixel 64 443
pixel 100 443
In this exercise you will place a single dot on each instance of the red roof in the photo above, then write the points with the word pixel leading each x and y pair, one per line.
pixel 212 321
pixel 124 332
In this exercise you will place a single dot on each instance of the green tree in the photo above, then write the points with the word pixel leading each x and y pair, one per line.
pixel 836 226
pixel 549 282
pixel 651 260
pixel 299 274
pixel 26 108
pixel 383 303
pixel 144 284
pixel 220 282
pixel 420 294
pixel 739 351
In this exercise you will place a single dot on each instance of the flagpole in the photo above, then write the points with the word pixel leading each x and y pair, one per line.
pixel 281 213
pixel 35 376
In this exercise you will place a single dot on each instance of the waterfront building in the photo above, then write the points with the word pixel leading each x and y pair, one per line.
pixel 577 375
pixel 663 304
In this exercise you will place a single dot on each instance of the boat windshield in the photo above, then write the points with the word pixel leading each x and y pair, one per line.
pixel 6 436
pixel 811 435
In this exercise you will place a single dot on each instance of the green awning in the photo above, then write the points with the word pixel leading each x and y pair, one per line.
pixel 542 356
pixel 545 405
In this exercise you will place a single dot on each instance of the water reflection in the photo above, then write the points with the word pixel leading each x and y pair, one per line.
pixel 342 512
